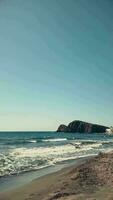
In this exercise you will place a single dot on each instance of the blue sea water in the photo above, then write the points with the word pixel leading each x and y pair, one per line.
pixel 22 152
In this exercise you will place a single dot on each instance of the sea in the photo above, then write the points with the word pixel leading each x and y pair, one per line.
pixel 23 153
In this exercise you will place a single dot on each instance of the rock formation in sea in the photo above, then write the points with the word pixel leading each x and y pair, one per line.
pixel 62 128
pixel 78 126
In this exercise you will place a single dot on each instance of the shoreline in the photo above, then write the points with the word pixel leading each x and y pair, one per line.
pixel 90 178
pixel 10 194
pixel 14 182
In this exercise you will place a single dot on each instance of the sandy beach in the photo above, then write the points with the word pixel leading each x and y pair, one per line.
pixel 91 179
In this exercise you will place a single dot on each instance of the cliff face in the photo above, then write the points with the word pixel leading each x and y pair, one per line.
pixel 82 127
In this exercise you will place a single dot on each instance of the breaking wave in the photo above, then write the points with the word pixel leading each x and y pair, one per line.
pixel 27 141
pixel 55 140
pixel 20 160
pixel 21 152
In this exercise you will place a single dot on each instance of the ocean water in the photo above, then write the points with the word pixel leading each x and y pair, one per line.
pixel 22 152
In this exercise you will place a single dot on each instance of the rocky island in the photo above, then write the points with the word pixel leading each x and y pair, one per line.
pixel 78 126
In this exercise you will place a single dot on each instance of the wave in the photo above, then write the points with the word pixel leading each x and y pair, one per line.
pixel 18 142
pixel 87 142
pixel 32 140
pixel 20 157
pixel 19 160
pixel 54 140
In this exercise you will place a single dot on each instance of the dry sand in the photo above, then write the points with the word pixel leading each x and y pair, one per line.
pixel 90 180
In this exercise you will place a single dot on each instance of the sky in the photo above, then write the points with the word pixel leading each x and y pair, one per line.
pixel 56 63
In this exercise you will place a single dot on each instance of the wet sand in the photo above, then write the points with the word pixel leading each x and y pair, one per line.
pixel 91 179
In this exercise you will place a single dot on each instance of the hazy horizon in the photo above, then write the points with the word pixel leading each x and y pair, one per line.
pixel 56 63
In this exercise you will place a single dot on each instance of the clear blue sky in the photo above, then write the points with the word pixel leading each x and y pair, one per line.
pixel 56 63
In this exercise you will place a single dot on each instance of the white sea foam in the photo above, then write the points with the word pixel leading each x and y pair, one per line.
pixel 54 150
pixel 26 159
pixel 55 140
pixel 32 141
